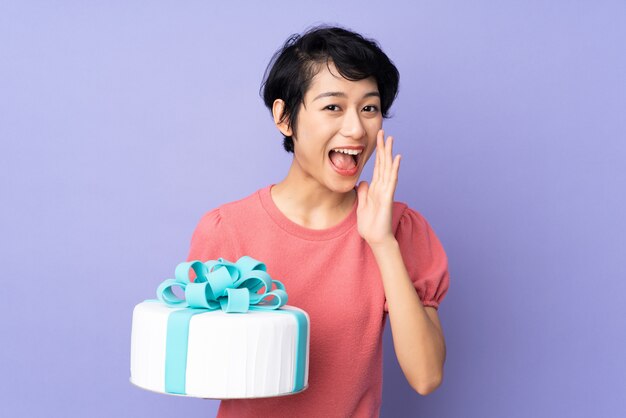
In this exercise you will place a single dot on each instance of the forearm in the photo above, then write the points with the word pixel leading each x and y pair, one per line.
pixel 419 343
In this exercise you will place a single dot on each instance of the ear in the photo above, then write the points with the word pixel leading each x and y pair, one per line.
pixel 278 107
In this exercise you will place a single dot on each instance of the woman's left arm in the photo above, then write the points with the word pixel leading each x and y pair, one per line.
pixel 417 335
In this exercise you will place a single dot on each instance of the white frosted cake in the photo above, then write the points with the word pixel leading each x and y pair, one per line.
pixel 213 353
pixel 229 355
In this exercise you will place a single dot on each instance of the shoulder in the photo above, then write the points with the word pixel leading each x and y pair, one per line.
pixel 211 219
pixel 229 210
pixel 406 217
pixel 214 235
pixel 244 206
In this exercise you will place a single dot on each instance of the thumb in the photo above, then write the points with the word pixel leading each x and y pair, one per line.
pixel 361 192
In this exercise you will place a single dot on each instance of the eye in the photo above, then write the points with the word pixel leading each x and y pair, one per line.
pixel 371 108
pixel 332 107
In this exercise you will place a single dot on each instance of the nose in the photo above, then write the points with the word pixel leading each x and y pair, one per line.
pixel 352 125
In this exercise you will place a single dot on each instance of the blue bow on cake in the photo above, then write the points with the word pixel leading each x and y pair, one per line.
pixel 221 284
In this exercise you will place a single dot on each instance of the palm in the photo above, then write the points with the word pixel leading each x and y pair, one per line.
pixel 376 199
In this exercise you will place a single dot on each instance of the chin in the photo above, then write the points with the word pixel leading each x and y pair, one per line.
pixel 344 186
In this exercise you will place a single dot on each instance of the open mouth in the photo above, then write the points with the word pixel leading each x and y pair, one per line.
pixel 345 159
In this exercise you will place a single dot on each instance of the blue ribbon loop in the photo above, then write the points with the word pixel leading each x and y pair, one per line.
pixel 220 284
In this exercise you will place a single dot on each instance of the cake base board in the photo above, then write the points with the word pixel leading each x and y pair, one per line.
pixel 218 399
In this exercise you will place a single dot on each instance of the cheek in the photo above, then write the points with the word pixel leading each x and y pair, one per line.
pixel 375 124
pixel 309 127
pixel 319 130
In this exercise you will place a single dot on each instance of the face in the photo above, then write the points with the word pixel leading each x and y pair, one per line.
pixel 336 114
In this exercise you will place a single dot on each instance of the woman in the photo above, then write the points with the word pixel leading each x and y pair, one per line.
pixel 347 255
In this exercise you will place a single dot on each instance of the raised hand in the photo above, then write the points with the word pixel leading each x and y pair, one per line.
pixel 376 199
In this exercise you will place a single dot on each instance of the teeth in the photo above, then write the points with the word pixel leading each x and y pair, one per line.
pixel 348 151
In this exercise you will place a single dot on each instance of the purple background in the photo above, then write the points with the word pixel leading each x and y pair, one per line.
pixel 121 124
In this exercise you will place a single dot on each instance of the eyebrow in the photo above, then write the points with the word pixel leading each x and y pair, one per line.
pixel 341 94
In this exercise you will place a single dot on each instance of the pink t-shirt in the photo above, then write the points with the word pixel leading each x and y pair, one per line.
pixel 333 276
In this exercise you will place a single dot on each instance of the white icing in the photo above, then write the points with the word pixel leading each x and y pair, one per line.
pixel 230 355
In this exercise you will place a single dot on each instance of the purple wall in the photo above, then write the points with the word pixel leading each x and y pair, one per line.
pixel 121 125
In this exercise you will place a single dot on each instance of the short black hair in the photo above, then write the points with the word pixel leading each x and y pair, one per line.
pixel 292 68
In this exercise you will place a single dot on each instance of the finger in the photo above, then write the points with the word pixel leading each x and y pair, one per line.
pixel 393 178
pixel 361 192
pixel 388 158
pixel 381 150
pixel 396 169
pixel 376 169
pixel 388 162
pixel 376 173
pixel 379 137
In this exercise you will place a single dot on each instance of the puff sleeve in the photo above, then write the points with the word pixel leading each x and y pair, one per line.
pixel 212 239
pixel 424 258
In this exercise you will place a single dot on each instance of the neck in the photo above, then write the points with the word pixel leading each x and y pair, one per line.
pixel 311 204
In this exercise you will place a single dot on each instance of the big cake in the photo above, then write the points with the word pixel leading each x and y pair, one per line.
pixel 230 336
